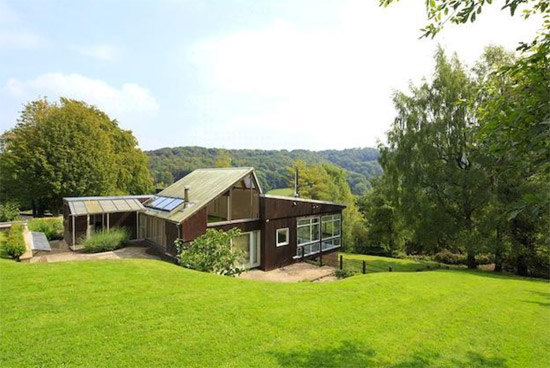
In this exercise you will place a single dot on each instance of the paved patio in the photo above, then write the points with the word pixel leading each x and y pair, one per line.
pixel 296 272
pixel 66 255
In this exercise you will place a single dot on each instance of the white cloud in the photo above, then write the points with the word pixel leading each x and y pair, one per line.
pixel 128 99
pixel 332 86
pixel 21 39
pixel 103 52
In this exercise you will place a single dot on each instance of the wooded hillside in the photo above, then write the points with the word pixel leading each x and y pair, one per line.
pixel 170 164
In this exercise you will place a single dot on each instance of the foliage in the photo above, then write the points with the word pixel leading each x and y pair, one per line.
pixel 328 183
pixel 343 274
pixel 212 252
pixel 433 162
pixel 384 230
pixel 286 192
pixel 14 245
pixel 170 164
pixel 51 227
pixel 447 257
pixel 439 12
pixel 69 149
pixel 427 319
pixel 9 211
pixel 106 240
pixel 223 159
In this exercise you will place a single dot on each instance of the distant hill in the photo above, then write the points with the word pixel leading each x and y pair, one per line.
pixel 170 164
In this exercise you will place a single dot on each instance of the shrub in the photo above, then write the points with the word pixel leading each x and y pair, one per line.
pixel 9 211
pixel 448 257
pixel 14 246
pixel 484 259
pixel 106 240
pixel 52 227
pixel 212 252
pixel 342 274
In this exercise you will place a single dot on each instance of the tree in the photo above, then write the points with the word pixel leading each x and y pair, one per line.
pixel 431 157
pixel 223 159
pixel 69 149
pixel 515 121
pixel 440 12
pixel 383 225
pixel 212 252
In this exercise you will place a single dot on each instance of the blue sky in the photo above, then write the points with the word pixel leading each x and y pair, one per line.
pixel 232 74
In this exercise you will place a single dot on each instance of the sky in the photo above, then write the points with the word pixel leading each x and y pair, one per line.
pixel 260 74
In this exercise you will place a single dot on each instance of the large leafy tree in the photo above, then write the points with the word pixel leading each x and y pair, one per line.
pixel 515 117
pixel 69 149
pixel 432 158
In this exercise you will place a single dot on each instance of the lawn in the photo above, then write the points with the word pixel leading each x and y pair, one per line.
pixel 286 192
pixel 382 264
pixel 149 313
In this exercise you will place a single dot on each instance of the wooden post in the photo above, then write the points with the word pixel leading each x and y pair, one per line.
pixel 341 262
pixel 87 226
pixel 108 225
pixel 74 235
pixel 364 267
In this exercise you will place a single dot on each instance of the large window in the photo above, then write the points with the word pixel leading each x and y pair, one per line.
pixel 282 237
pixel 331 228
pixel 308 230
pixel 309 233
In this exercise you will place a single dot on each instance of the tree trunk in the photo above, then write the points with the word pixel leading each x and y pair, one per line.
pixel 521 266
pixel 471 260
pixel 471 255
pixel 498 250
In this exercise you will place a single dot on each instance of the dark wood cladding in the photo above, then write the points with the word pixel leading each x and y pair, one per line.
pixel 195 226
pixel 244 226
pixel 171 232
pixel 273 208
pixel 280 213
pixel 273 256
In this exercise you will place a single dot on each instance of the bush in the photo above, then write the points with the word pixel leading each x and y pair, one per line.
pixel 106 240
pixel 448 257
pixel 212 252
pixel 342 274
pixel 14 246
pixel 484 259
pixel 52 227
pixel 9 211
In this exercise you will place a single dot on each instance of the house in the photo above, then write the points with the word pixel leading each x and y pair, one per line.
pixel 276 230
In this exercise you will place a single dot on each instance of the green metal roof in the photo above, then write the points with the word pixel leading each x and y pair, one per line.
pixel 204 186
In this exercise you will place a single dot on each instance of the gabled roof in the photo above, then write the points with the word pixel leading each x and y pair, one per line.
pixel 204 186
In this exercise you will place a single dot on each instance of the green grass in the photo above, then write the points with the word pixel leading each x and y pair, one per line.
pixel 150 314
pixel 287 192
pixel 382 264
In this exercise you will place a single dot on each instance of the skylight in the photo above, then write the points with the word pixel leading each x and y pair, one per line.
pixel 163 203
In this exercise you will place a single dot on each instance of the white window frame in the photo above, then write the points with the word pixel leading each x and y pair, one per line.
pixel 287 231
pixel 310 224
pixel 333 219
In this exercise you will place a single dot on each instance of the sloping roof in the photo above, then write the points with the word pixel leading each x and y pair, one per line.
pixel 303 200
pixel 80 206
pixel 204 186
